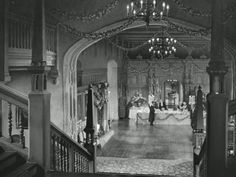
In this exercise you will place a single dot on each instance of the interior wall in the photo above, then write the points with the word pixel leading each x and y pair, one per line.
pixel 190 73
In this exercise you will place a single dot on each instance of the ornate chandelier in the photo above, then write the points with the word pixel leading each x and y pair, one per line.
pixel 148 10
pixel 162 47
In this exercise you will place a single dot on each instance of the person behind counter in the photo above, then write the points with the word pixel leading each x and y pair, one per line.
pixel 162 105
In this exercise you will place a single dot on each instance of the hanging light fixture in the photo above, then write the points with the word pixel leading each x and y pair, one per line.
pixel 162 47
pixel 148 10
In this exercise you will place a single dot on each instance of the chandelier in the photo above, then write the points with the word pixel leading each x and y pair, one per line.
pixel 162 47
pixel 148 10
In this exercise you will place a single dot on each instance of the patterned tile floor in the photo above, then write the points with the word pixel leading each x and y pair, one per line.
pixel 177 168
pixel 145 149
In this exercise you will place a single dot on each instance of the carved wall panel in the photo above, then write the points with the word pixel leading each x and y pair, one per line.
pixel 189 73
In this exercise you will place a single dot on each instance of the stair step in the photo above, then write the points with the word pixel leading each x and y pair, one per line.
pixel 64 174
pixel 27 170
pixel 10 161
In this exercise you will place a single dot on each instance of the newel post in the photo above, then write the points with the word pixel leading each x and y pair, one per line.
pixel 217 99
pixel 90 143
pixel 39 98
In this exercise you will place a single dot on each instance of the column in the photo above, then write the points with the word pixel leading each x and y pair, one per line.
pixel 39 98
pixel 217 100
pixel 4 73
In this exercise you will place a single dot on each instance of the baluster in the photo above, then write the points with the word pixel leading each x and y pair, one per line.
pixel 47 36
pixel 61 155
pixel 64 155
pixel 13 34
pixel 18 34
pixel 68 157
pixel 81 164
pixel 10 121
pixel 72 162
pixel 53 160
pixel 24 35
pixel 9 33
pixel 56 164
pixel 76 161
pixel 53 41
pixel 57 154
pixel 21 34
pixel 22 136
pixel 28 36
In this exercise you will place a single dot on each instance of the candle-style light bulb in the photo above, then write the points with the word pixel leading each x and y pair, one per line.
pixel 127 10
pixel 141 3
pixel 163 5
pixel 154 3
pixel 134 12
pixel 161 14
pixel 132 5
pixel 167 9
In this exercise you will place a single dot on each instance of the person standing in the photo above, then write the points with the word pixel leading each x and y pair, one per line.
pixel 151 113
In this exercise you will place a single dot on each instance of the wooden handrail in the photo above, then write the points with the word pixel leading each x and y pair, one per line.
pixel 199 157
pixel 13 96
pixel 232 107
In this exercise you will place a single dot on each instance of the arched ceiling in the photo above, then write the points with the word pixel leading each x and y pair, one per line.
pixel 118 13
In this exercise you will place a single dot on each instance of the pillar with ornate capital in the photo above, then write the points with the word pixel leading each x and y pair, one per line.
pixel 39 98
pixel 217 100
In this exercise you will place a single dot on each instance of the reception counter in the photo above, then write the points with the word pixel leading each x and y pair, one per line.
pixel 165 117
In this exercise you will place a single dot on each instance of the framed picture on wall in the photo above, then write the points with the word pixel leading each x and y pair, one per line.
pixel 21 118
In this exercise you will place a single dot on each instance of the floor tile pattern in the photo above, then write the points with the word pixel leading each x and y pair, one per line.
pixel 145 149
pixel 177 168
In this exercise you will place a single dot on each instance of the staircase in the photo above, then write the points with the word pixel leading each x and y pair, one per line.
pixel 12 164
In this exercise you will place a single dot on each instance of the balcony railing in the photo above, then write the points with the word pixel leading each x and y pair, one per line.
pixel 20 33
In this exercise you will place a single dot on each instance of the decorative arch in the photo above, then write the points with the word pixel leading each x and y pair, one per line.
pixel 70 66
